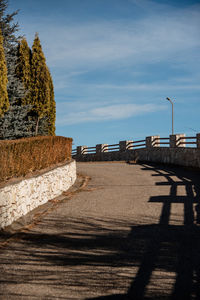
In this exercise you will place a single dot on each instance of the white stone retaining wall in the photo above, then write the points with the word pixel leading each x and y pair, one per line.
pixel 20 198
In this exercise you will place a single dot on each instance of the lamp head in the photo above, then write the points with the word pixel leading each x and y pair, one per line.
pixel 168 99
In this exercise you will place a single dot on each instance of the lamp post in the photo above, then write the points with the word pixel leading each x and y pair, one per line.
pixel 172 113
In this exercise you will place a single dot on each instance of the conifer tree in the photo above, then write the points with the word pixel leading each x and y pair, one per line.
pixel 29 85
pixel 4 102
pixel 7 26
pixel 9 29
pixel 23 68
pixel 40 88
pixel 52 108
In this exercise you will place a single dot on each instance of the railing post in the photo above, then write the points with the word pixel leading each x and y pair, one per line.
pixel 153 141
pixel 198 140
pixel 100 148
pixel 175 140
pixel 81 150
pixel 125 145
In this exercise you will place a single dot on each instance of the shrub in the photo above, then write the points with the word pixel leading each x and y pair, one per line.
pixel 24 156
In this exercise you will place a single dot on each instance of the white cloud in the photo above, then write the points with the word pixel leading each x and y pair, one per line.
pixel 151 86
pixel 107 113
pixel 93 90
pixel 154 39
pixel 168 36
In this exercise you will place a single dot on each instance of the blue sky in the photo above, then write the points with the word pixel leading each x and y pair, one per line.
pixel 114 62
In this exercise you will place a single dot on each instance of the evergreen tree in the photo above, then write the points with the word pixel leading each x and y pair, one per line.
pixel 4 102
pixel 40 88
pixel 29 85
pixel 23 68
pixel 9 29
pixel 51 115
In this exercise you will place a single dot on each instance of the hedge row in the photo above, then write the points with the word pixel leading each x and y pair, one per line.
pixel 21 157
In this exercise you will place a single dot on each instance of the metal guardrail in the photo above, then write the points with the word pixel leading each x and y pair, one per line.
pixel 185 142
pixel 166 141
pixel 113 147
pixel 90 150
pixel 136 144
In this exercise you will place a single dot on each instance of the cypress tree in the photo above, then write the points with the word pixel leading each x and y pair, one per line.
pixel 29 86
pixel 51 115
pixel 4 102
pixel 23 68
pixel 40 88
pixel 13 119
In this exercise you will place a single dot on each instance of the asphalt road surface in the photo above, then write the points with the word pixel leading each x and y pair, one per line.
pixel 125 231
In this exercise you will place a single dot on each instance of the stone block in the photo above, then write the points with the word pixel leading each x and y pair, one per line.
pixel 125 145
pixel 153 141
pixel 198 140
pixel 100 148
pixel 81 150
pixel 177 140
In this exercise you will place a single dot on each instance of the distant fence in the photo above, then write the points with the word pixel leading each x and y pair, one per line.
pixel 176 149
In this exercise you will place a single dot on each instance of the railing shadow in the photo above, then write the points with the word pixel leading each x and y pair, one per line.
pixel 89 244
pixel 183 241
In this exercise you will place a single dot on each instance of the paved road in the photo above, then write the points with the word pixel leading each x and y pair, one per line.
pixel 132 233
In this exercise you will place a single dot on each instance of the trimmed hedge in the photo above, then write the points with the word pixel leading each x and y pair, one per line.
pixel 21 157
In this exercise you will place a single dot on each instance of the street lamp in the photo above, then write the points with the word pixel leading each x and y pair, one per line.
pixel 172 113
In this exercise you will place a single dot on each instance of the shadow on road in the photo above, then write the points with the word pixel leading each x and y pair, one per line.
pixel 93 243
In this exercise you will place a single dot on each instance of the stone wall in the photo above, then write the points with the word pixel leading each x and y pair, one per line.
pixel 189 157
pixel 18 199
